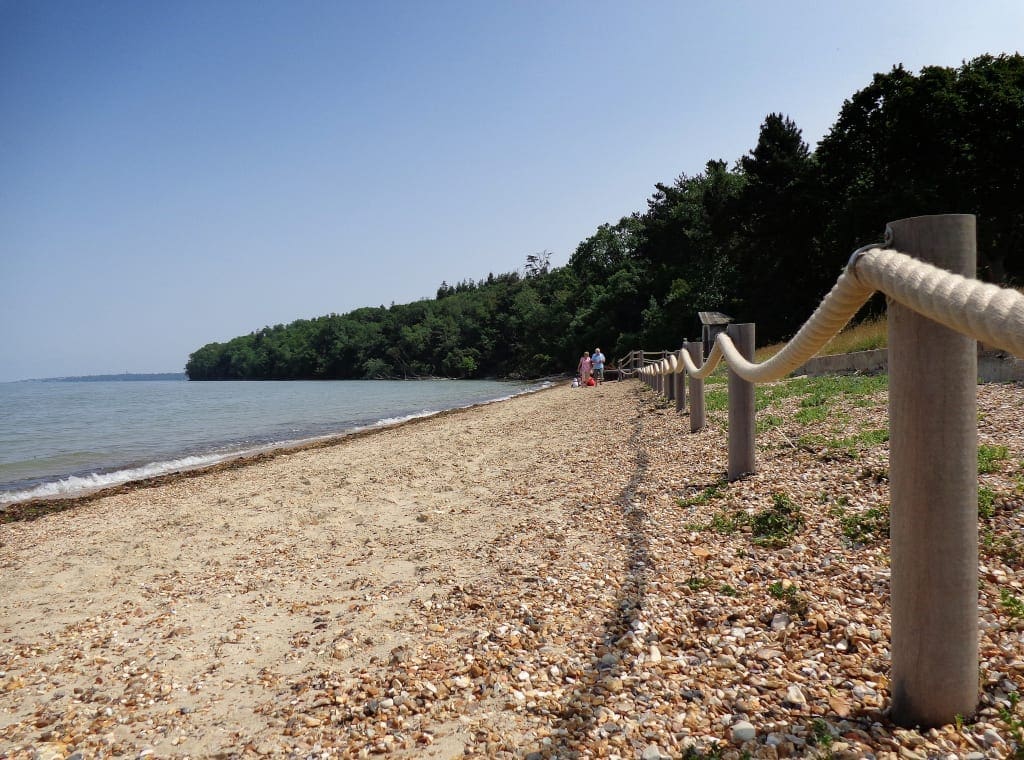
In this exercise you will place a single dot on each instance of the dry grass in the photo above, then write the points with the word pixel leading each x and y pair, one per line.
pixel 863 336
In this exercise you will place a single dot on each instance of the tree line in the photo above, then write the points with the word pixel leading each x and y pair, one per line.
pixel 762 240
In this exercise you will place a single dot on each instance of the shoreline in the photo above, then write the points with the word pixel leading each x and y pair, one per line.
pixel 35 507
pixel 562 574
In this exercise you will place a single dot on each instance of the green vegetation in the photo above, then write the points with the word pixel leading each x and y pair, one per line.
pixel 1014 724
pixel 697 583
pixel 866 527
pixel 776 525
pixel 702 497
pixel 796 603
pixel 986 503
pixel 725 521
pixel 767 422
pixel 1012 605
pixel 821 735
pixel 807 415
pixel 846 446
pixel 989 455
pixel 1004 547
pixel 716 399
pixel 762 239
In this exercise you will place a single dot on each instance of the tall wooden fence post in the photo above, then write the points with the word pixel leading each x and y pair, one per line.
pixel 670 381
pixel 741 406
pixel 933 476
pixel 696 351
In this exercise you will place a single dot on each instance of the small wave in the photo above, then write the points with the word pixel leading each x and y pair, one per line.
pixel 396 420
pixel 78 484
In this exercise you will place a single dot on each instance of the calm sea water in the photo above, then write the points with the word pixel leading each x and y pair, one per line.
pixel 61 438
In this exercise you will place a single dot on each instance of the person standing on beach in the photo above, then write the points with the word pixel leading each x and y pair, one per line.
pixel 584 368
pixel 597 361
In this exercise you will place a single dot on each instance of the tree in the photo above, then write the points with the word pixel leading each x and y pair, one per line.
pixel 778 214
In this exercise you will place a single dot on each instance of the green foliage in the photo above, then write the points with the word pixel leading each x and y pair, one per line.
pixel 866 527
pixel 1012 604
pixel 789 593
pixel 989 455
pixel 728 522
pixel 776 525
pixel 716 400
pixel 703 496
pixel 821 735
pixel 1004 547
pixel 986 503
pixel 1014 723
pixel 697 583
pixel 847 446
pixel 808 415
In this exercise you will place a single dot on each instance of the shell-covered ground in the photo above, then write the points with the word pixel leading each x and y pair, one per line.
pixel 564 574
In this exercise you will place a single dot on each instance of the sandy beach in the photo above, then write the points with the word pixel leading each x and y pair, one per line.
pixel 538 577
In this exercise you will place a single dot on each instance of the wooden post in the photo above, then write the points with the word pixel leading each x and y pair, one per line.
pixel 741 406
pixel 670 381
pixel 679 379
pixel 696 351
pixel 933 477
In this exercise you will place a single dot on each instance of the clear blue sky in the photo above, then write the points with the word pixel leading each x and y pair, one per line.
pixel 175 173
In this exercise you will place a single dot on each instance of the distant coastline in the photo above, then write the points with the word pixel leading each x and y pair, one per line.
pixel 126 377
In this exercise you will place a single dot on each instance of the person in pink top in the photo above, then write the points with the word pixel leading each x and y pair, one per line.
pixel 584 368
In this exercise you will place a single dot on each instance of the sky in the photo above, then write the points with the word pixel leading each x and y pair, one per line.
pixel 173 174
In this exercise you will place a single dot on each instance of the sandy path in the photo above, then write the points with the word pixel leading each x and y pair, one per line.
pixel 168 618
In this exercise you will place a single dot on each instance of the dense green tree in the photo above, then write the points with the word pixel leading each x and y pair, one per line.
pixel 780 273
pixel 944 141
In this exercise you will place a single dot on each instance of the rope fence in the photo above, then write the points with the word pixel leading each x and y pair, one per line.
pixel 936 313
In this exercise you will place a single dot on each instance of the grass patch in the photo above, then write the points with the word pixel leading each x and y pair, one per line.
pixel 725 522
pixel 863 336
pixel 1008 714
pixel 1003 547
pixel 820 391
pixel 776 525
pixel 986 503
pixel 697 583
pixel 716 400
pixel 867 527
pixel 848 446
pixel 988 456
pixel 702 497
pixel 767 422
pixel 1012 605
pixel 809 415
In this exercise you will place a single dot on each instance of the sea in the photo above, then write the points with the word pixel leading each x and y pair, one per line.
pixel 67 438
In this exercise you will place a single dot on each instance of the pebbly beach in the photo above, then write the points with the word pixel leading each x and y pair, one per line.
pixel 562 574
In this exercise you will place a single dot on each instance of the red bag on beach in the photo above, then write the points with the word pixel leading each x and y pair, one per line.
pixel 590 381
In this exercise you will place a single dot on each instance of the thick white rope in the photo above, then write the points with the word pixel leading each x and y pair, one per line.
pixel 985 312
pixel 982 311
